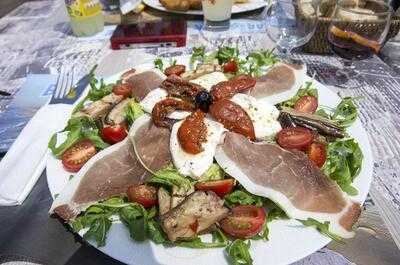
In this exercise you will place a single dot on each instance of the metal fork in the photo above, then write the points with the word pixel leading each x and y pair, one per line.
pixel 64 84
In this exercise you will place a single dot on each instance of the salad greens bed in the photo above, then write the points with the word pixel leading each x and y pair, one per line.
pixel 343 164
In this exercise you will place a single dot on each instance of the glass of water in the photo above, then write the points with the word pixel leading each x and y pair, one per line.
pixel 291 23
pixel 217 14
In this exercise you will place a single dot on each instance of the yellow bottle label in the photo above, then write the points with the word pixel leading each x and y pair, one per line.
pixel 79 9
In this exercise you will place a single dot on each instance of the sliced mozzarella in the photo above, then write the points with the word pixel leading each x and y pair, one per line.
pixel 152 98
pixel 263 115
pixel 208 80
pixel 157 95
pixel 196 165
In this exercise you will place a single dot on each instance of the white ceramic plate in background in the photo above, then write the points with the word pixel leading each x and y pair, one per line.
pixel 236 8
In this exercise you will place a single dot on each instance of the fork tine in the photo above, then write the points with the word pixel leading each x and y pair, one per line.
pixel 68 84
pixel 59 85
pixel 64 83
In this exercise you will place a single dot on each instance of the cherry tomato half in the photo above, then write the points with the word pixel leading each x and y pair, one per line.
pixel 295 138
pixel 220 187
pixel 123 89
pixel 307 104
pixel 230 67
pixel 142 194
pixel 245 221
pixel 113 134
pixel 77 155
pixel 317 153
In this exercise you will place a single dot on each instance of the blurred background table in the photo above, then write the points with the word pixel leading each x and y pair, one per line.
pixel 36 38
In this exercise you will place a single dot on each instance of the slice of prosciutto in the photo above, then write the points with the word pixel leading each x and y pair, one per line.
pixel 145 82
pixel 151 143
pixel 111 171
pixel 280 83
pixel 289 179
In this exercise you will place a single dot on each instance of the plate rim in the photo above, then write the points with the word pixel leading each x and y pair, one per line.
pixel 150 3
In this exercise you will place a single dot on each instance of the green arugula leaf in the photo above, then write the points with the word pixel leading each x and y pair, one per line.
pixel 258 60
pixel 346 112
pixel 243 197
pixel 274 213
pixel 198 55
pixel 133 111
pixel 169 176
pixel 134 217
pixel 197 243
pixel 78 128
pixel 98 230
pixel 98 89
pixel 323 228
pixel 155 232
pixel 238 252
pixel 158 63
pixel 214 172
pixel 225 54
pixel 219 236
pixel 307 90
pixel 343 164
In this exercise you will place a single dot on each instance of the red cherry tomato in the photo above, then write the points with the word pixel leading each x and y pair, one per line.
pixel 317 153
pixel 307 104
pixel 220 187
pixel 113 134
pixel 143 194
pixel 230 67
pixel 123 89
pixel 295 138
pixel 245 221
pixel 77 155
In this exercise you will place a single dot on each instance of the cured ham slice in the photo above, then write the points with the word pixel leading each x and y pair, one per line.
pixel 106 174
pixel 112 170
pixel 280 83
pixel 151 143
pixel 290 180
pixel 145 82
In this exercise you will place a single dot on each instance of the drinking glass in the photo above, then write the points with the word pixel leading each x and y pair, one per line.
pixel 217 14
pixel 291 23
pixel 358 30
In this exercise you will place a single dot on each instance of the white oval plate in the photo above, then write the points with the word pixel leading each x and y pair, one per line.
pixel 236 8
pixel 288 242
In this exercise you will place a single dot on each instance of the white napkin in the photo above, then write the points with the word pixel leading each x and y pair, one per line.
pixel 25 160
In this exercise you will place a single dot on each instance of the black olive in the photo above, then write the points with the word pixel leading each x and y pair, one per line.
pixel 203 100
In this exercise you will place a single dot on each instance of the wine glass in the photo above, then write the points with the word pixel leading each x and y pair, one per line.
pixel 291 23
pixel 358 29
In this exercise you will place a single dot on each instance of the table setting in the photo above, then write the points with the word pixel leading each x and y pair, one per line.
pixel 95 170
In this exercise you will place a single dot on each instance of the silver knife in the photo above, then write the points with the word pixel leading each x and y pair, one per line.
pixel 25 160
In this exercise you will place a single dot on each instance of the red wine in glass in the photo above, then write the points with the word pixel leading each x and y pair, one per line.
pixel 350 49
